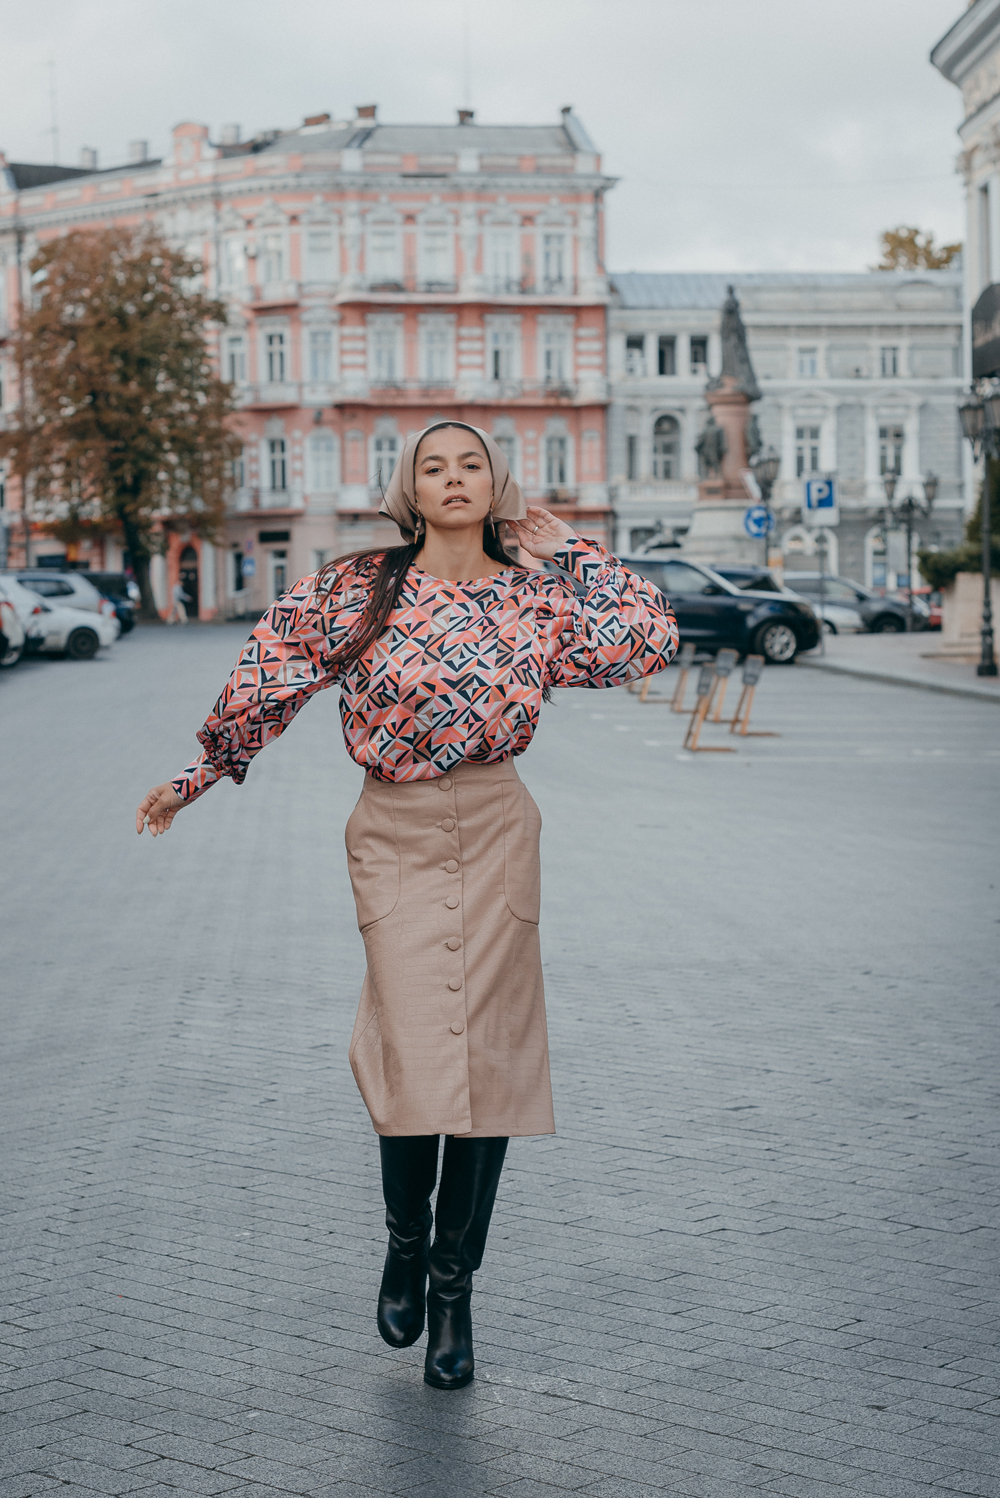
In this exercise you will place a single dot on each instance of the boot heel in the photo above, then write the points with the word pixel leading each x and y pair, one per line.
pixel 449 1363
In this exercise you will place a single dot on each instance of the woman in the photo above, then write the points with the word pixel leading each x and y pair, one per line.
pixel 442 670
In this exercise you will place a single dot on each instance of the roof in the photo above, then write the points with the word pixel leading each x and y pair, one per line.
pixel 696 289
pixel 27 174
pixel 432 140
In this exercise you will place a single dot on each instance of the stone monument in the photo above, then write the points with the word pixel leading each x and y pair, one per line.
pixel 727 442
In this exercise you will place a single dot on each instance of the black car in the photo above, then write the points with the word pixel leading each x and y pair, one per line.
pixel 745 575
pixel 115 587
pixel 712 612
pixel 878 615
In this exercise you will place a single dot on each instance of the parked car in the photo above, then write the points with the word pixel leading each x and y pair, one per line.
pixel 12 632
pixel 712 612
pixel 934 602
pixel 746 575
pixel 878 615
pixel 54 628
pixel 73 589
pixel 121 592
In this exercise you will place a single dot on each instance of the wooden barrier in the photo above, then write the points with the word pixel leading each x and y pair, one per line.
pixel 739 723
pixel 725 661
pixel 684 660
pixel 705 691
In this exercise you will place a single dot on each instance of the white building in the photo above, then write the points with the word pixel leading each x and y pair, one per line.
pixel 861 375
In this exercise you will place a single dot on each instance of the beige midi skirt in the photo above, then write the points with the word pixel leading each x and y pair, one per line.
pixel 450 1036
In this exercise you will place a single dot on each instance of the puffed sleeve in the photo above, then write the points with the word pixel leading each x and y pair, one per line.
pixel 284 662
pixel 622 629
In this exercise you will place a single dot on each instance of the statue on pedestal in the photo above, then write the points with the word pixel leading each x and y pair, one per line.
pixel 737 371
pixel 711 447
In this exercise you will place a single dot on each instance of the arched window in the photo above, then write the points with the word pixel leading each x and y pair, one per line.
pixel 386 449
pixel 666 438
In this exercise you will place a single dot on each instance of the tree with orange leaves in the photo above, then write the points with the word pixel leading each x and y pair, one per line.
pixel 905 248
pixel 123 424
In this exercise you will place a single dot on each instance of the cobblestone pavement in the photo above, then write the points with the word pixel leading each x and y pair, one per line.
pixel 759 1256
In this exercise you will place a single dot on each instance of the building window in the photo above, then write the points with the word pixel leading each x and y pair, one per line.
pixel 985 245
pixel 635 354
pixel 276 455
pixel 437 353
pixel 666 358
pixel 555 462
pixel 238 471
pixel 385 460
pixel 890 449
pixel 236 360
pixel 553 262
pixel 808 363
pixel 806 450
pixel 384 341
pixel 237 574
pixel 890 361
pixel 502 353
pixel 233 263
pixel 320 355
pixel 632 458
pixel 279 572
pixel 502 262
pixel 274 345
pixel 435 258
pixel 272 258
pixel 555 357
pixel 383 254
pixel 699 356
pixel 508 446
pixel 322 463
pixel 666 435
pixel 320 263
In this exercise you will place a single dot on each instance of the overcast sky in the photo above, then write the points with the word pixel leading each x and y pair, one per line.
pixel 747 134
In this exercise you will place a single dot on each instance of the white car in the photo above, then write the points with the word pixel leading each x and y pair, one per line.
pixel 837 619
pixel 70 589
pixel 12 634
pixel 54 629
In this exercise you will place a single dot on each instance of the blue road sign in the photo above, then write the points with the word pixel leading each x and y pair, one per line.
pixel 758 521
pixel 821 496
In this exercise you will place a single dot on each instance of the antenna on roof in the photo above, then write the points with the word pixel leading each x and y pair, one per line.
pixel 466 57
pixel 53 116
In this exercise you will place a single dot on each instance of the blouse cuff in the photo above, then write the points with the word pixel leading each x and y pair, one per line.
pixel 194 781
pixel 585 559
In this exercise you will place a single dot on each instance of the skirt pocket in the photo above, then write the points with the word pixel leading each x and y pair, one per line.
pixel 373 858
pixel 522 877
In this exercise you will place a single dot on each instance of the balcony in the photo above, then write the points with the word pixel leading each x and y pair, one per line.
pixel 254 500
pixel 283 393
pixel 274 293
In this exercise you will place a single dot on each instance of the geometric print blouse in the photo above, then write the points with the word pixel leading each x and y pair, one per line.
pixel 457 674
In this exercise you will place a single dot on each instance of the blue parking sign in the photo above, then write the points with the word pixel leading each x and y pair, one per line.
pixel 821 497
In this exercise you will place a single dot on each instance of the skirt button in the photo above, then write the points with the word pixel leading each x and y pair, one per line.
pixel 448 825
pixel 452 902
pixel 454 984
pixel 453 944
pixel 445 782
pixel 451 866
pixel 457 1027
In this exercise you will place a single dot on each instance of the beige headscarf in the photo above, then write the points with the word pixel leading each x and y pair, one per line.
pixel 399 502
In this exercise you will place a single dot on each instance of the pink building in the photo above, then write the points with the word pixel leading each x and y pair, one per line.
pixel 378 277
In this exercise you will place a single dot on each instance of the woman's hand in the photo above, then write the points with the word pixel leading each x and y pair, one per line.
pixel 541 534
pixel 158 809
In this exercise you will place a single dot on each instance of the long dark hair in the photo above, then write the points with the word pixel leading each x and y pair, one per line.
pixel 388 569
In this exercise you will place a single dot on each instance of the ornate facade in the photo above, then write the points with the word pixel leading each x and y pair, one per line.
pixel 377 277
pixel 859 373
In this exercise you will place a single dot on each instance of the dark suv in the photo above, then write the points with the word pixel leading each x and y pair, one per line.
pixel 880 616
pixel 711 612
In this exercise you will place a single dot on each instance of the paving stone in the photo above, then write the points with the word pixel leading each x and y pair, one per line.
pixel 757 1258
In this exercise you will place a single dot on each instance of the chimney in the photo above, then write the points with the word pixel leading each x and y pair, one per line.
pixel 466 116
pixel 230 135
pixel 88 158
pixel 316 119
pixel 566 109
pixel 366 111
pixel 138 150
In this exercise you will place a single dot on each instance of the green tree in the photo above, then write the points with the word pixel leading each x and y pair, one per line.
pixel 123 425
pixel 905 248
pixel 942 567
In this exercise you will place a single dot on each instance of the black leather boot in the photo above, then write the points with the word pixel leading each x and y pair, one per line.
pixel 409 1170
pixel 470 1176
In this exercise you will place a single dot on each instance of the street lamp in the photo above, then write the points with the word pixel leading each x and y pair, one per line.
pixel 911 509
pixel 980 417
pixel 765 467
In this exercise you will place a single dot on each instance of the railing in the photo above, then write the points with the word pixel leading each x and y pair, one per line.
pixel 276 393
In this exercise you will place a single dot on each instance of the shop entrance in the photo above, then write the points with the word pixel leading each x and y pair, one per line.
pixel 189 580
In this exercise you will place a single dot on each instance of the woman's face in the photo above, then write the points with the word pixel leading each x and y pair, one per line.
pixel 454 485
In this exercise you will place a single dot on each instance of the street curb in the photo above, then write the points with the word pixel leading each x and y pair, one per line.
pixel 898 679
